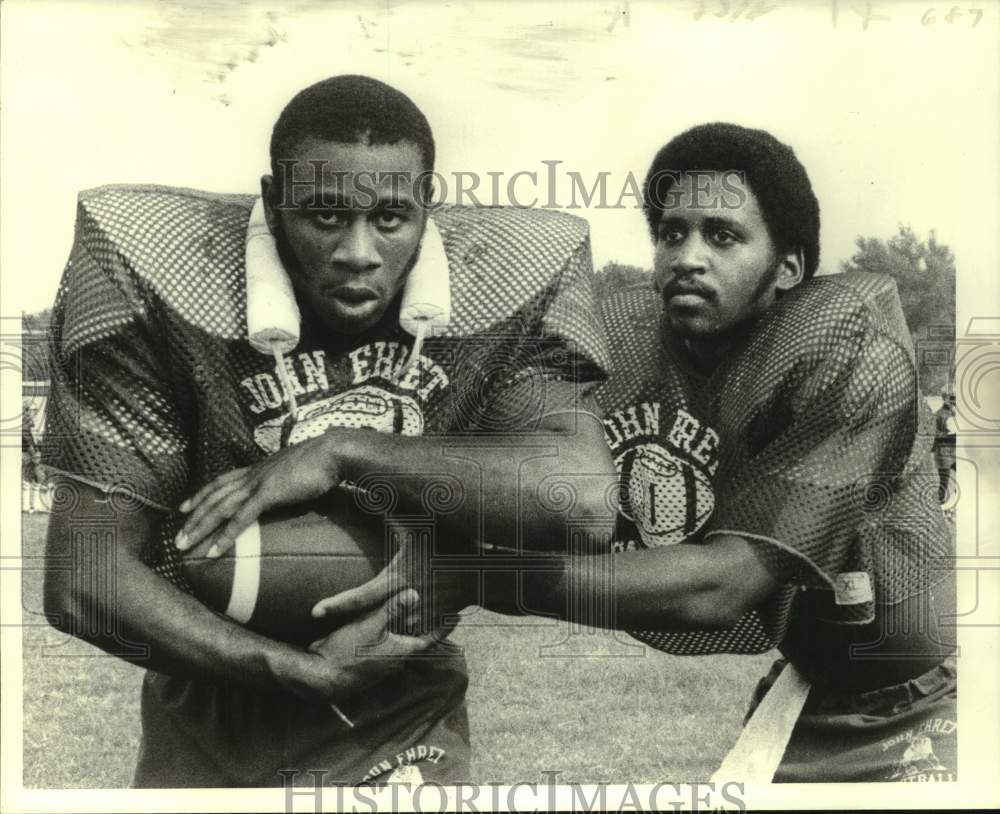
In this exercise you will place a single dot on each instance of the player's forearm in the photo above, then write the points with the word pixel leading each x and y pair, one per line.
pixel 509 491
pixel 679 587
pixel 152 624
pixel 100 591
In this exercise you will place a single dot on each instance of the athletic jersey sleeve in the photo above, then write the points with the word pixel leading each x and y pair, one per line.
pixel 556 366
pixel 824 468
pixel 112 420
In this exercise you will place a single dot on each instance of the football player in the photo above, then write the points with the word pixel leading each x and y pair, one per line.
pixel 777 488
pixel 171 433
pixel 944 445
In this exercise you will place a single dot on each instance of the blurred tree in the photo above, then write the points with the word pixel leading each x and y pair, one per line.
pixel 924 271
pixel 614 277
pixel 37 322
pixel 34 350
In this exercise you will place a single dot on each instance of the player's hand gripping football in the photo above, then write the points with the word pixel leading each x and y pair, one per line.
pixel 410 569
pixel 221 510
pixel 361 652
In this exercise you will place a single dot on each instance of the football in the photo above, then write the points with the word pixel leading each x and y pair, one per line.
pixel 286 562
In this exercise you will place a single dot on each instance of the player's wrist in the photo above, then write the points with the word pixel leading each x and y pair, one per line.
pixel 304 675
pixel 354 453
pixel 331 455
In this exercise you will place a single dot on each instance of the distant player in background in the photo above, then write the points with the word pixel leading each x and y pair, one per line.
pixel 773 478
pixel 945 435
pixel 163 404
pixel 30 458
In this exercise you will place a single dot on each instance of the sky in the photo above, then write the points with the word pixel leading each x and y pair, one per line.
pixel 893 111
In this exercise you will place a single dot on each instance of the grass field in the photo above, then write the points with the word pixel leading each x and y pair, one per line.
pixel 623 712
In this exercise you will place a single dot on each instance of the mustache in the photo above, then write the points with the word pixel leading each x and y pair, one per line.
pixel 686 285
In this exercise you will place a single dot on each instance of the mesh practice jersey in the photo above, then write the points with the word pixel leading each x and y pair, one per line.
pixel 810 437
pixel 155 388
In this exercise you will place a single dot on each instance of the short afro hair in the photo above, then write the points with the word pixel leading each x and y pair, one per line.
pixel 773 173
pixel 350 109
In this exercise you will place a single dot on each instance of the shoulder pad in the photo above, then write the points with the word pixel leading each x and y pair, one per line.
pixel 507 262
pixel 185 245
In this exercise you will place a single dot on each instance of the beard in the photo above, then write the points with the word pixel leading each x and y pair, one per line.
pixel 711 341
